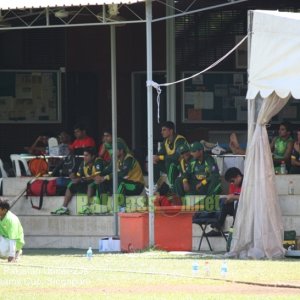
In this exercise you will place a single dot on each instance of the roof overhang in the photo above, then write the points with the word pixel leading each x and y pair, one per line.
pixel 21 4
pixel 27 14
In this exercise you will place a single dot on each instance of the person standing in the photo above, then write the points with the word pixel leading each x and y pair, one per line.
pixel 11 233
pixel 166 160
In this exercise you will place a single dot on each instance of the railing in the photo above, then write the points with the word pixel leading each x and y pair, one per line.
pixel 226 161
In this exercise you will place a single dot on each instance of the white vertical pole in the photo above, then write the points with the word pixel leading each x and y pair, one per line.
pixel 148 4
pixel 251 102
pixel 114 122
pixel 171 62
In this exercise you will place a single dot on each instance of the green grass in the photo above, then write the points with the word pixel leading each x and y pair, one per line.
pixel 67 274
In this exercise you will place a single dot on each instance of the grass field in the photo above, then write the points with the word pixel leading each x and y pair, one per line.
pixel 67 274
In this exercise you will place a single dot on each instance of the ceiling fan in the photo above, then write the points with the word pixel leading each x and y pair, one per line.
pixel 111 14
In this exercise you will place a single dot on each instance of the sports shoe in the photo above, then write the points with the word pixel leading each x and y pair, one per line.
pixel 154 190
pixel 86 211
pixel 217 150
pixel 207 146
pixel 213 233
pixel 61 211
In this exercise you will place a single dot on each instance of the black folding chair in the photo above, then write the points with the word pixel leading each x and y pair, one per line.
pixel 203 219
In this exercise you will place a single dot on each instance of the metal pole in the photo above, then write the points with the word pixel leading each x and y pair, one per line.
pixel 171 63
pixel 114 123
pixel 148 4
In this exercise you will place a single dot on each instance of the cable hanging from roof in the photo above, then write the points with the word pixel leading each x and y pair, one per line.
pixel 158 86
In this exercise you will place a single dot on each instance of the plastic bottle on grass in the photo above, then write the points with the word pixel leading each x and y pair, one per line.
pixel 206 269
pixel 224 269
pixel 89 253
pixel 195 267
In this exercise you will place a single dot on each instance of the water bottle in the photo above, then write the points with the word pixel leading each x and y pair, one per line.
pixel 206 269
pixel 224 269
pixel 195 267
pixel 291 190
pixel 282 167
pixel 89 253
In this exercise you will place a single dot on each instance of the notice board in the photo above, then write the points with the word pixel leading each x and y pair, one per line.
pixel 214 97
pixel 28 96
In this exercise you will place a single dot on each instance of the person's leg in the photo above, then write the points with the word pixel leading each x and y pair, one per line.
pixel 157 169
pixel 178 187
pixel 226 209
pixel 68 198
pixel 91 192
pixel 71 190
pixel 172 171
pixel 4 247
pixel 130 188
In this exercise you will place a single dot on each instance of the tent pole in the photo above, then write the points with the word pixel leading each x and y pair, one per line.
pixel 114 122
pixel 251 102
pixel 148 4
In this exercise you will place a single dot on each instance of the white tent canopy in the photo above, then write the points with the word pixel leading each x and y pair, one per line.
pixel 274 64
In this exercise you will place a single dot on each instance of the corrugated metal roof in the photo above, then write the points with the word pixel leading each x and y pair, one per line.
pixel 12 4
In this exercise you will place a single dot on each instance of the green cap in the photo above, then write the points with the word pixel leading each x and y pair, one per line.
pixel 121 146
pixel 183 148
pixel 196 146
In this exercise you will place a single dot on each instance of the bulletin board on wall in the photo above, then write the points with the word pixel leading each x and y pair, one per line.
pixel 30 96
pixel 214 97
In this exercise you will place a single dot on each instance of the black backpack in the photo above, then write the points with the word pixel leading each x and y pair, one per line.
pixel 68 165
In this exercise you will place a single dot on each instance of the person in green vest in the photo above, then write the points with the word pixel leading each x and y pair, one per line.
pixel 202 175
pixel 184 160
pixel 80 180
pixel 166 160
pixel 11 233
pixel 130 175
pixel 282 146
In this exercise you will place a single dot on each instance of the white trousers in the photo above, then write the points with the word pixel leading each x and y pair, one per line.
pixel 7 247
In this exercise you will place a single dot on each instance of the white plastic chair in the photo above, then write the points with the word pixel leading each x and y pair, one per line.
pixel 3 172
pixel 16 160
pixel 53 146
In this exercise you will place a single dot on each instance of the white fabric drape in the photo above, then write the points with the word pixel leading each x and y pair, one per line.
pixel 274 63
pixel 258 230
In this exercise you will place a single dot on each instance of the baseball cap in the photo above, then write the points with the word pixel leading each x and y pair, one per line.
pixel 183 148
pixel 121 146
pixel 196 146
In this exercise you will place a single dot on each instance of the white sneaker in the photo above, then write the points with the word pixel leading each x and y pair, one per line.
pixel 154 190
pixel 207 146
pixel 217 150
